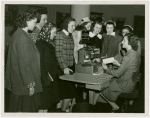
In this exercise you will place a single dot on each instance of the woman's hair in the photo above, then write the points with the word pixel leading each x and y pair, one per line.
pixel 82 26
pixel 27 15
pixel 45 32
pixel 111 23
pixel 132 40
pixel 41 11
pixel 128 28
pixel 96 22
pixel 66 22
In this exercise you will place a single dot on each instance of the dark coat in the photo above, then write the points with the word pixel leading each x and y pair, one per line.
pixel 110 46
pixel 49 64
pixel 48 61
pixel 95 41
pixel 23 64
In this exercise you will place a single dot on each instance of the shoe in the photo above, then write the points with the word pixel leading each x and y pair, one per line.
pixel 116 111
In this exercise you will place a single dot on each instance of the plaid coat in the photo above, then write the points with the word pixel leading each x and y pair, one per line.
pixel 64 48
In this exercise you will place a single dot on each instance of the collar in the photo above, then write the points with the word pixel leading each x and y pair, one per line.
pixel 67 33
pixel 113 34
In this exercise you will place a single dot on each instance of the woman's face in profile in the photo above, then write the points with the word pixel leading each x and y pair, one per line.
pixel 88 26
pixel 31 24
pixel 125 42
pixel 43 20
pixel 53 33
pixel 97 29
pixel 125 31
pixel 71 26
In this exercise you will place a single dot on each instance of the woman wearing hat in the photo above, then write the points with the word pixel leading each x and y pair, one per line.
pixel 110 46
pixel 64 49
pixel 49 67
pixel 128 29
pixel 81 30
pixel 81 38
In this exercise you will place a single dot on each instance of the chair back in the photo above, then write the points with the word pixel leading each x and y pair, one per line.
pixel 136 77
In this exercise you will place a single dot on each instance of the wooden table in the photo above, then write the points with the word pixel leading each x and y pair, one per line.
pixel 97 81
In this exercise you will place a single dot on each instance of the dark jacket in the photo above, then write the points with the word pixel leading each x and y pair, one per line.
pixel 48 62
pixel 95 41
pixel 23 64
pixel 110 46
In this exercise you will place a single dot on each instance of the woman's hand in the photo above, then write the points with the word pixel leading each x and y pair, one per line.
pixel 115 62
pixel 66 71
pixel 31 88
pixel 104 66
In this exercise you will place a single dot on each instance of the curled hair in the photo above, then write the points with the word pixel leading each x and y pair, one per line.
pixel 46 31
pixel 128 28
pixel 66 22
pixel 94 23
pixel 132 40
pixel 27 15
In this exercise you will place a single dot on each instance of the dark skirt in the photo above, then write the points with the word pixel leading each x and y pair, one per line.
pixel 67 90
pixel 50 95
pixel 24 103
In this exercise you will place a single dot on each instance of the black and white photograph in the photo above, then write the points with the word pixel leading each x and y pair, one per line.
pixel 75 58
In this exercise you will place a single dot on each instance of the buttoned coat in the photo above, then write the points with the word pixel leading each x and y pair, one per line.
pixel 23 64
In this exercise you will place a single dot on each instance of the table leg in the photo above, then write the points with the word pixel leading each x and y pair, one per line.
pixel 91 97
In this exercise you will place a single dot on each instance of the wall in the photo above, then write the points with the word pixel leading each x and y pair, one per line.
pixel 122 11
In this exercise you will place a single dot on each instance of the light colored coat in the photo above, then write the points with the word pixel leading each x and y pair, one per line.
pixel 123 83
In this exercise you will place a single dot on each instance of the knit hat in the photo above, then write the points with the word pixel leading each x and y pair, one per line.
pixel 110 21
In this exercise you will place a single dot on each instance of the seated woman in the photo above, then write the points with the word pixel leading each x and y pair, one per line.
pixel 128 29
pixel 49 67
pixel 122 83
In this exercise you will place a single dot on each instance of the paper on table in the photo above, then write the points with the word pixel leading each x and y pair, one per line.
pixel 108 60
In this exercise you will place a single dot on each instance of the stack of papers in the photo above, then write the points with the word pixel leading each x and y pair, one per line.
pixel 108 60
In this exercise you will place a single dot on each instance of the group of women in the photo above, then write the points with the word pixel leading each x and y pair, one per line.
pixel 38 55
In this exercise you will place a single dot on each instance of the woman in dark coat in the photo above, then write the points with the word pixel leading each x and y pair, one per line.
pixel 110 46
pixel 23 67
pixel 96 38
pixel 49 67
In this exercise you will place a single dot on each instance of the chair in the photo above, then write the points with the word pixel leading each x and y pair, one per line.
pixel 130 97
